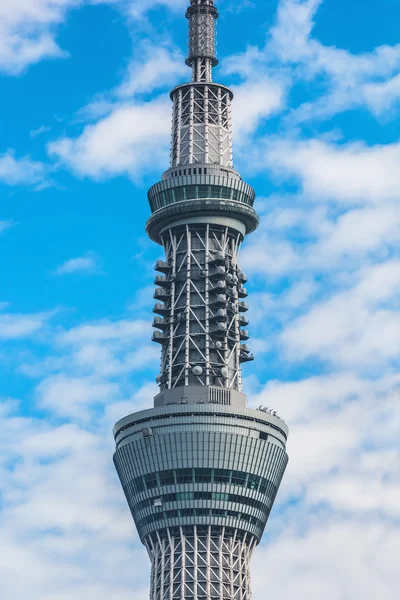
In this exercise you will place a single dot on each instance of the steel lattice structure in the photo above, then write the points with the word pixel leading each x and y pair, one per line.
pixel 202 562
pixel 200 470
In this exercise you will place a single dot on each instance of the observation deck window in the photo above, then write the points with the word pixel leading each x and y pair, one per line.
pixel 221 476
pixel 202 475
pixel 167 477
pixel 203 191
pixel 179 194
pixel 151 481
pixel 239 478
pixel 216 496
pixel 201 512
pixel 184 476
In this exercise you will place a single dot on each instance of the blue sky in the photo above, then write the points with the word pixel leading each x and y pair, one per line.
pixel 84 133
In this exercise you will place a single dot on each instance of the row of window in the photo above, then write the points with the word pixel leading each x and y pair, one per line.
pixel 181 476
pixel 193 192
pixel 219 496
pixel 199 512
pixel 192 171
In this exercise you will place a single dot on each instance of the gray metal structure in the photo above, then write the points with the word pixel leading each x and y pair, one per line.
pixel 200 470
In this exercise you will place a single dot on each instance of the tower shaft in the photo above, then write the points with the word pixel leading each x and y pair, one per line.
pixel 200 470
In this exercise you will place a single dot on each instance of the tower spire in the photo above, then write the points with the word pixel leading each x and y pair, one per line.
pixel 202 15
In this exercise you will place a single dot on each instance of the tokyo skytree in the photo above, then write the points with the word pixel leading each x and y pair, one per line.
pixel 200 470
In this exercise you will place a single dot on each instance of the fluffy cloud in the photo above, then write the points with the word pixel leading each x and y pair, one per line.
pixel 255 101
pixel 15 326
pixel 157 67
pixel 27 32
pixel 331 558
pixel 360 325
pixel 383 97
pixel 346 80
pixel 348 75
pixel 28 28
pixel 340 493
pixel 61 510
pixel 21 171
pixel 130 140
pixel 88 264
pixel 137 8
pixel 352 173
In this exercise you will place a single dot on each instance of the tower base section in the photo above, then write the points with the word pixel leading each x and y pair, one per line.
pixel 200 563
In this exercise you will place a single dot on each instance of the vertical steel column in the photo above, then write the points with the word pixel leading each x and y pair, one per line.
pixel 207 298
pixel 206 124
pixel 179 132
pixel 172 313
pixel 229 114
pixel 220 127
pixel 188 296
pixel 191 127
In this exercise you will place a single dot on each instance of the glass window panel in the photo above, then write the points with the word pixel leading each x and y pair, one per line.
pixel 184 476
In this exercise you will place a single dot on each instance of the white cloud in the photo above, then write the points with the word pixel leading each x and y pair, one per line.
pixel 4 225
pixel 137 8
pixel 15 326
pixel 88 264
pixel 121 331
pixel 28 28
pixel 346 80
pixel 129 141
pixel 331 558
pixel 153 67
pixel 358 326
pixel 255 101
pixel 348 74
pixel 72 396
pixel 61 510
pixel 27 33
pixel 39 131
pixel 21 171
pixel 351 173
pixel 383 97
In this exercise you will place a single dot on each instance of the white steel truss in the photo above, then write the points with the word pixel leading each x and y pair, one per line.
pixel 200 564
pixel 201 125
pixel 202 311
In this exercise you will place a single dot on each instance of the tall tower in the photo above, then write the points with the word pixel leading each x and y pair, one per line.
pixel 200 470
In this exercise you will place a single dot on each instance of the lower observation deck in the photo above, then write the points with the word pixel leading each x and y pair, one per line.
pixel 200 465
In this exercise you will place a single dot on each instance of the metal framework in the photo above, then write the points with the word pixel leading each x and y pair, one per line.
pixel 200 470
pixel 201 125
pixel 203 308
pixel 203 563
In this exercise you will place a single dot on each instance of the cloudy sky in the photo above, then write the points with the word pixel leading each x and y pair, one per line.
pixel 84 132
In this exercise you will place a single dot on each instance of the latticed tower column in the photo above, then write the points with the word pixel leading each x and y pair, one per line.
pixel 200 470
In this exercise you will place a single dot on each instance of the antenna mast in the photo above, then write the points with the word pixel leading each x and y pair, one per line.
pixel 202 15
